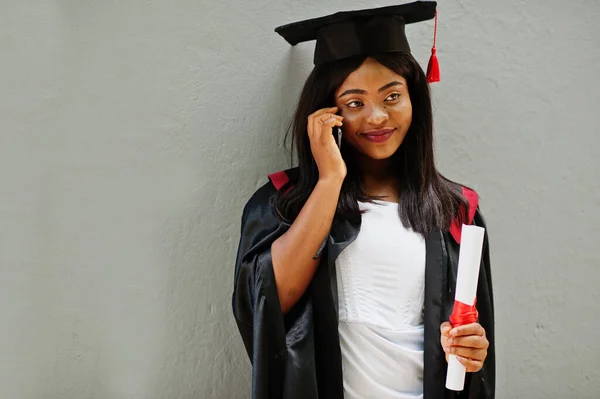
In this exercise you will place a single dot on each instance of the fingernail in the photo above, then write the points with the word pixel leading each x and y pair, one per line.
pixel 453 332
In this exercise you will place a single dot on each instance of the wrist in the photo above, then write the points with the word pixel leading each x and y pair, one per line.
pixel 331 181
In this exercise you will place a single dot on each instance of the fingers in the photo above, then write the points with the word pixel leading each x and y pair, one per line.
pixel 472 366
pixel 471 341
pixel 445 328
pixel 318 114
pixel 310 127
pixel 469 353
pixel 312 120
pixel 332 121
pixel 323 145
pixel 444 336
pixel 322 111
pixel 323 119
pixel 468 343
pixel 468 329
pixel 328 121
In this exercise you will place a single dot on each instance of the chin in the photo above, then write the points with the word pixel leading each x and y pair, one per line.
pixel 380 154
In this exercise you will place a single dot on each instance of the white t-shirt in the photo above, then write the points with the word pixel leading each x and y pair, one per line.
pixel 380 280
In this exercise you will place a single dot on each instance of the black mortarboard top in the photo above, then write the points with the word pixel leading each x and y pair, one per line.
pixel 362 32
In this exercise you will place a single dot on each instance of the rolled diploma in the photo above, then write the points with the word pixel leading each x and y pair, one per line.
pixel 469 258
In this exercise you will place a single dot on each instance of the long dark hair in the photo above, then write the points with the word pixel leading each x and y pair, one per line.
pixel 429 202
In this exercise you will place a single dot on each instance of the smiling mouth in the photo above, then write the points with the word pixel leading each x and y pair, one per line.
pixel 378 136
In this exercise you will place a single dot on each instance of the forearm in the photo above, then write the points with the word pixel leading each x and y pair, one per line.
pixel 292 253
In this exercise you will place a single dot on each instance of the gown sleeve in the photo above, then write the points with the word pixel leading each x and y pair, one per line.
pixel 255 301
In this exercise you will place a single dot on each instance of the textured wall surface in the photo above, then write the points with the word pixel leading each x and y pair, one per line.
pixel 132 133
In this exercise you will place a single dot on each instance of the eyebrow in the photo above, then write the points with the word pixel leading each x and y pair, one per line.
pixel 360 91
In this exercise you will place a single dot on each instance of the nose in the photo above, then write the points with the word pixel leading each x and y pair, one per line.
pixel 378 116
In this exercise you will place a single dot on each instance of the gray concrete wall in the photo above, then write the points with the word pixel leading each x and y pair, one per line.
pixel 131 134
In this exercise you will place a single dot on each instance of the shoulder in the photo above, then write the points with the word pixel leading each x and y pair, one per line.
pixel 264 196
pixel 467 192
pixel 261 200
pixel 472 214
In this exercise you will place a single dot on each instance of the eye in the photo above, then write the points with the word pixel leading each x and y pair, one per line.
pixel 354 104
pixel 393 97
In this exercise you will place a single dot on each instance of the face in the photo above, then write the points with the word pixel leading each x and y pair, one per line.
pixel 376 107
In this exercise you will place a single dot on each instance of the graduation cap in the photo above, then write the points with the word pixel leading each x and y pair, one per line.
pixel 363 32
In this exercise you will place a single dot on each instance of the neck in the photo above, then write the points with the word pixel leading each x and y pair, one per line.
pixel 377 178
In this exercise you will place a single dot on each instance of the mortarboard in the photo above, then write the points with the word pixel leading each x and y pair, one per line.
pixel 363 32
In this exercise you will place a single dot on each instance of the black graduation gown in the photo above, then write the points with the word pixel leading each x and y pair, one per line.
pixel 298 356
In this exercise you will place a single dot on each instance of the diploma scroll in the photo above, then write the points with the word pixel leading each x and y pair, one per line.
pixel 469 259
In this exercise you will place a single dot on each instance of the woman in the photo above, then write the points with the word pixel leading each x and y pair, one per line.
pixel 347 264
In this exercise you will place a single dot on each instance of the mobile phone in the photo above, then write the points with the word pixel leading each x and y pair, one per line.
pixel 339 136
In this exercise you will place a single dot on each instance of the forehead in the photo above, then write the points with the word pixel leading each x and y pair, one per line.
pixel 370 73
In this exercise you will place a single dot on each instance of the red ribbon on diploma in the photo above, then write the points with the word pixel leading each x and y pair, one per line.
pixel 463 314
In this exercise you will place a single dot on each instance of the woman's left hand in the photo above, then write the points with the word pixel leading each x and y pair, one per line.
pixel 468 343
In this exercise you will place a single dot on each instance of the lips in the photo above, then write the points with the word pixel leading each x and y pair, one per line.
pixel 378 136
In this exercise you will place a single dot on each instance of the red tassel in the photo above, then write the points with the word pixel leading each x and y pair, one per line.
pixel 433 68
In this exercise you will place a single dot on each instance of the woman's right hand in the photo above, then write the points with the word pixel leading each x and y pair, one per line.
pixel 323 145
